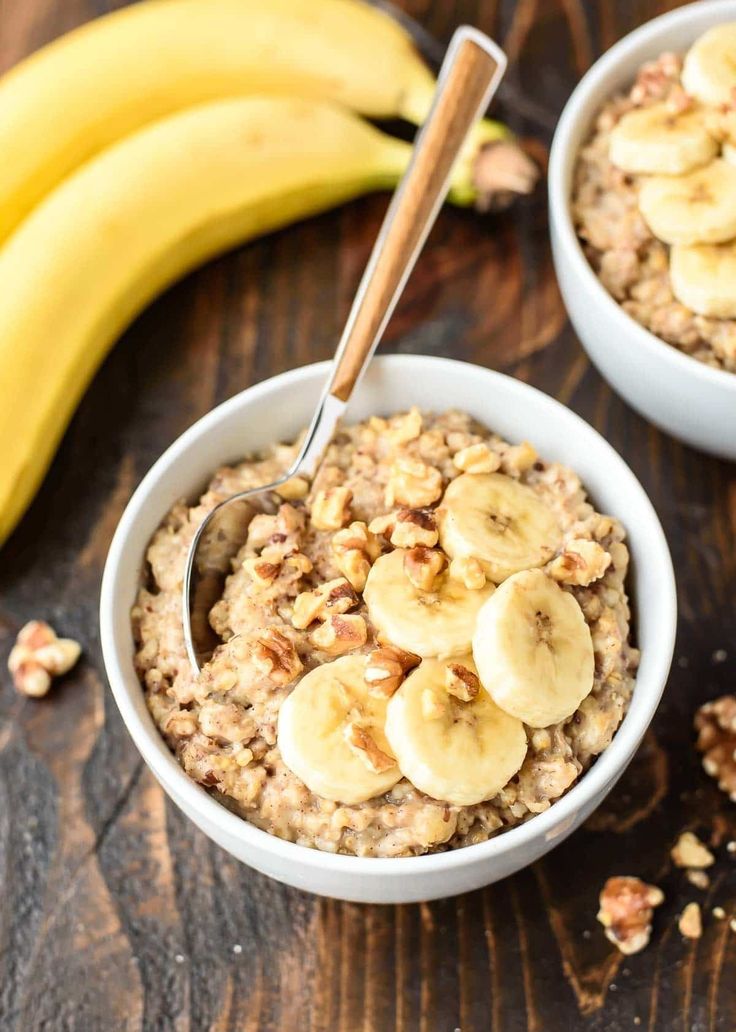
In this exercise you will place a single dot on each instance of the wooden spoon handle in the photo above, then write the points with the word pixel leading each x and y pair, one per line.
pixel 468 78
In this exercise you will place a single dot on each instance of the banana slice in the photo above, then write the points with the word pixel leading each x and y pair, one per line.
pixel 460 752
pixel 709 69
pixel 438 622
pixel 533 649
pixel 697 208
pixel 330 734
pixel 655 140
pixel 499 522
pixel 703 277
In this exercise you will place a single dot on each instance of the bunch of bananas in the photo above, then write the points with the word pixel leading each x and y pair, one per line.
pixel 149 140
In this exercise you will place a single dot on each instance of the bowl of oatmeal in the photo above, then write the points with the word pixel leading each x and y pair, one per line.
pixel 641 183
pixel 429 670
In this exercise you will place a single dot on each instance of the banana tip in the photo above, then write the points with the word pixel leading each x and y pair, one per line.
pixel 502 171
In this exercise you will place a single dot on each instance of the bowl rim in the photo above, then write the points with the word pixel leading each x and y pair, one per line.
pixel 561 170
pixel 195 800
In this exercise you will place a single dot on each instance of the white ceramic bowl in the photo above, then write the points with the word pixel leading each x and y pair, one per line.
pixel 276 410
pixel 690 400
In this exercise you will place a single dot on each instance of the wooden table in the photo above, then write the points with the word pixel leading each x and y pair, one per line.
pixel 115 912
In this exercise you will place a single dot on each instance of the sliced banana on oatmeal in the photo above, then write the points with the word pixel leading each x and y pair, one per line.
pixel 438 621
pixel 709 69
pixel 453 745
pixel 703 277
pixel 498 521
pixel 330 734
pixel 533 649
pixel 697 208
pixel 655 139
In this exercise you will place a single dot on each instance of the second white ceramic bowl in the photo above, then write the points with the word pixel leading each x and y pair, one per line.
pixel 691 401
pixel 275 411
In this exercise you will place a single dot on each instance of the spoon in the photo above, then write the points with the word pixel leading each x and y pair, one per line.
pixel 470 74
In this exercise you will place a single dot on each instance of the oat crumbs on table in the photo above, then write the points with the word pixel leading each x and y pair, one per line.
pixel 385 631
pixel 654 198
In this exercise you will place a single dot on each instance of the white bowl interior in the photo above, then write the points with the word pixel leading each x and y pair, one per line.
pixel 277 410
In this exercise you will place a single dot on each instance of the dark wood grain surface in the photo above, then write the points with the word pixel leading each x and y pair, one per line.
pixel 115 912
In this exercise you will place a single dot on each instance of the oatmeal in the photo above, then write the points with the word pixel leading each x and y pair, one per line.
pixel 423 647
pixel 654 198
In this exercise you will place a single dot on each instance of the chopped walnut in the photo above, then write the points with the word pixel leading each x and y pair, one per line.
pixel 335 596
pixel 689 851
pixel 405 428
pixel 275 656
pixel 423 565
pixel 432 706
pixel 331 508
pixel 690 922
pixel 226 721
pixel 339 634
pixel 715 723
pixel 383 525
pixel 293 489
pixel 459 439
pixel 469 571
pixel 654 79
pixel 299 561
pixel 355 549
pixel 262 572
pixel 626 906
pixel 364 746
pixel 180 724
pixel 38 656
pixel 386 669
pixel 461 682
pixel 413 484
pixel 477 458
pixel 581 562
pixel 281 532
pixel 518 458
pixel 415 527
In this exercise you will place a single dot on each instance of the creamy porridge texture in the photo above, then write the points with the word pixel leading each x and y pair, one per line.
pixel 654 198
pixel 426 645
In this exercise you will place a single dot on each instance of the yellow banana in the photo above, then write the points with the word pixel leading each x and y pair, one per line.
pixel 135 218
pixel 116 74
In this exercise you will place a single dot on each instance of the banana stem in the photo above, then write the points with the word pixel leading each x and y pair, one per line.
pixel 492 170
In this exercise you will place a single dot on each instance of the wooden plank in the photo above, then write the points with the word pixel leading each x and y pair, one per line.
pixel 115 912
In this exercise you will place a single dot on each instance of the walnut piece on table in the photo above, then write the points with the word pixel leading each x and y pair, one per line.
pixel 626 906
pixel 38 656
pixel 690 922
pixel 715 723
pixel 689 851
pixel 698 878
